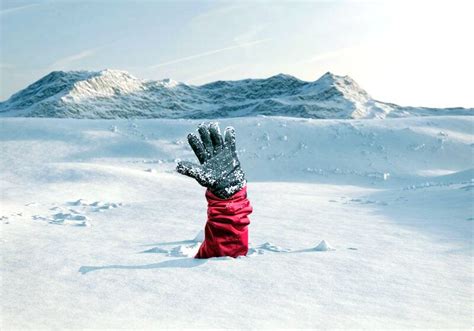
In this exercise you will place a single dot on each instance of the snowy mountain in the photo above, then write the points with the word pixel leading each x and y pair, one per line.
pixel 117 94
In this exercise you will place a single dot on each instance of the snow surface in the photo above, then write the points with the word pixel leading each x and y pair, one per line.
pixel 117 94
pixel 356 224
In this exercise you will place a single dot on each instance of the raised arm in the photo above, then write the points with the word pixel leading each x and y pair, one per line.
pixel 226 232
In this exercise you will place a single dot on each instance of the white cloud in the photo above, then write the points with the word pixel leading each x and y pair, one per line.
pixel 65 61
pixel 195 56
pixel 214 13
pixel 211 74
pixel 15 9
pixel 250 34
pixel 326 55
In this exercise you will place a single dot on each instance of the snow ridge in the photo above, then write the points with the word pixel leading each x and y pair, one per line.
pixel 117 94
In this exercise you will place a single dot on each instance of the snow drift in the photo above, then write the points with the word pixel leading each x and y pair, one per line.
pixel 112 94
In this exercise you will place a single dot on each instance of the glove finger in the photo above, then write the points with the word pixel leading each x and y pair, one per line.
pixel 229 137
pixel 216 137
pixel 206 139
pixel 197 147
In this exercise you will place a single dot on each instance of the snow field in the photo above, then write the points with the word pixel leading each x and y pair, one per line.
pixel 356 224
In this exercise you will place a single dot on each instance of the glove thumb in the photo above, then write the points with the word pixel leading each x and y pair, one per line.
pixel 190 169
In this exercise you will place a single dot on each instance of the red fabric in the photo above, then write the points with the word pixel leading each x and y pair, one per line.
pixel 226 232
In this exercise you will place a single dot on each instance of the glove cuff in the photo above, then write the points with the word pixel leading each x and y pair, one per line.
pixel 235 192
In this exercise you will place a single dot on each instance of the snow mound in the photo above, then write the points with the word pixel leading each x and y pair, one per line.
pixel 272 247
pixel 117 94
pixel 323 246
pixel 63 214
pixel 72 218
pixel 156 250
pixel 185 250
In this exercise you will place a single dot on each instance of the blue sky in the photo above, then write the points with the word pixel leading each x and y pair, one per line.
pixel 407 52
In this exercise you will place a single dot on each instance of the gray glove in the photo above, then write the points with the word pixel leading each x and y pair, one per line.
pixel 219 170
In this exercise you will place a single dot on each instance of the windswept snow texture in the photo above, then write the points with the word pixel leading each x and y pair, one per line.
pixel 115 94
pixel 356 224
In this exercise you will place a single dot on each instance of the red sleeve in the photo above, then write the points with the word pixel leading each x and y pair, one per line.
pixel 226 232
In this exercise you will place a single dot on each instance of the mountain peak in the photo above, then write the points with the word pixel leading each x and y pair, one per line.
pixel 106 84
pixel 116 73
pixel 283 76
pixel 344 84
pixel 59 75
pixel 331 77
pixel 168 83
pixel 330 74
